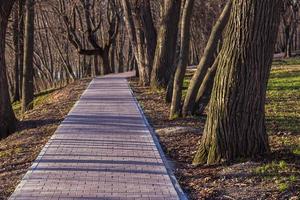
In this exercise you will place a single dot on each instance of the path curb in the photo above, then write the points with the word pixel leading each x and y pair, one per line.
pixel 176 185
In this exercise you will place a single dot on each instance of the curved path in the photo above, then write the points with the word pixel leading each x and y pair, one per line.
pixel 104 149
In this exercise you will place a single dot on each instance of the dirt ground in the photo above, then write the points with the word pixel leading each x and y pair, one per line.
pixel 18 151
pixel 275 176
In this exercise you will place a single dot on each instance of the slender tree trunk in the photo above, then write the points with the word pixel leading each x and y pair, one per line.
pixel 7 116
pixel 235 126
pixel 105 62
pixel 96 65
pixel 79 66
pixel 21 43
pixel 206 60
pixel 16 52
pixel 204 93
pixel 287 42
pixel 28 87
pixel 140 28
pixel 166 45
pixel 183 59
pixel 149 31
pixel 290 32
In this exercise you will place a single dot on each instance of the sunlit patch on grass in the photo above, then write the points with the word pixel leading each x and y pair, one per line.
pixel 283 100
pixel 39 99
pixel 280 172
pixel 287 61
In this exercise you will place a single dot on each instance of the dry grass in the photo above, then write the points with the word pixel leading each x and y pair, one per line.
pixel 275 176
pixel 18 151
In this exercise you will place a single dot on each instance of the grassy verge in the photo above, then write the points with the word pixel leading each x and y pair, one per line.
pixel 283 97
pixel 287 61
pixel 283 124
pixel 39 99
pixel 283 100
pixel 35 127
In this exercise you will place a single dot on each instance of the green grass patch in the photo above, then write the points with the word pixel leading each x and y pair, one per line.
pixel 39 99
pixel 9 152
pixel 287 61
pixel 280 172
pixel 186 83
pixel 283 99
pixel 283 96
pixel 296 150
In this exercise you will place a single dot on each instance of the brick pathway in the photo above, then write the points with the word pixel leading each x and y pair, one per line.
pixel 102 150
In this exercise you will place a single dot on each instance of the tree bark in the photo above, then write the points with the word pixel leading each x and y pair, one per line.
pixel 21 43
pixel 28 87
pixel 96 65
pixel 142 35
pixel 7 116
pixel 105 62
pixel 16 52
pixel 166 45
pixel 235 126
pixel 183 59
pixel 206 60
pixel 204 93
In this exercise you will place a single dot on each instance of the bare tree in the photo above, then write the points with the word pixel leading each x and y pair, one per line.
pixel 28 87
pixel 7 117
pixel 183 58
pixel 206 61
pixel 163 64
pixel 142 34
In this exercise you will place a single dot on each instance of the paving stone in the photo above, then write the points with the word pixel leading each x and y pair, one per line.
pixel 102 150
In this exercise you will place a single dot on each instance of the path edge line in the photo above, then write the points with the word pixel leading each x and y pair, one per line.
pixel 37 160
pixel 173 178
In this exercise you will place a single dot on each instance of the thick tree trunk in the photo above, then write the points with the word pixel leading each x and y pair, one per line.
pixel 235 126
pixel 166 45
pixel 28 87
pixel 206 61
pixel 7 116
pixel 183 59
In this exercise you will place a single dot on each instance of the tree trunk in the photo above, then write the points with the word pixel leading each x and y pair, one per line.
pixel 290 32
pixel 206 60
pixel 21 43
pixel 149 30
pixel 235 126
pixel 204 93
pixel 96 65
pixel 140 28
pixel 7 116
pixel 105 62
pixel 183 59
pixel 112 58
pixel 28 87
pixel 16 52
pixel 166 45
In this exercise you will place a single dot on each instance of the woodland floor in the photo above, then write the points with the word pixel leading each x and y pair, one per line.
pixel 277 176
pixel 274 177
pixel 18 151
